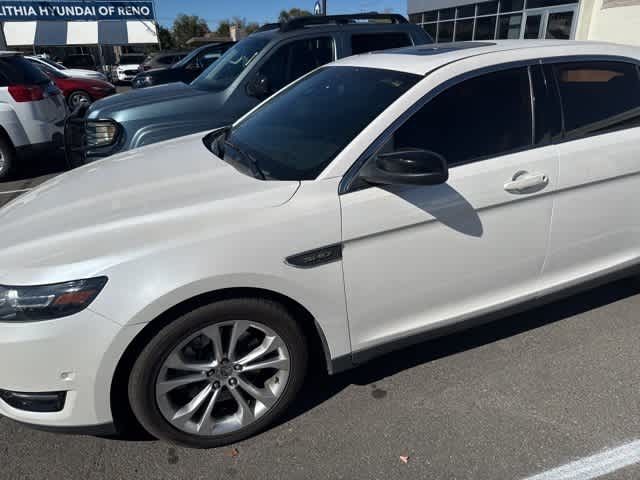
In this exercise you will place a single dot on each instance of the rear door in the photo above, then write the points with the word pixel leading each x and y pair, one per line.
pixel 596 220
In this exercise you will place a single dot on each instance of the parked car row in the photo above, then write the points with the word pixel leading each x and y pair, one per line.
pixel 245 75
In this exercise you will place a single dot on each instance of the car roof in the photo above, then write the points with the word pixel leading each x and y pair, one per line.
pixel 423 59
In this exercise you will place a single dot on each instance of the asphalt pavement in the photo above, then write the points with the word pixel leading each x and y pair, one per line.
pixel 521 398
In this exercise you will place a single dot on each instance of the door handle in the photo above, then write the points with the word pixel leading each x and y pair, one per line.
pixel 525 182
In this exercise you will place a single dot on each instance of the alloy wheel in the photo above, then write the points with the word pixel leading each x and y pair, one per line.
pixel 222 378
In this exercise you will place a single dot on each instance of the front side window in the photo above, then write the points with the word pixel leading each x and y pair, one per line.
pixel 485 116
pixel 295 59
pixel 297 133
pixel 222 73
pixel 598 97
pixel 371 42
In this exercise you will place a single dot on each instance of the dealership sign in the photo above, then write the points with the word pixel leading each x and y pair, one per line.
pixel 76 10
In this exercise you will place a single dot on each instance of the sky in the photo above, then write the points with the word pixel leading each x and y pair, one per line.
pixel 263 11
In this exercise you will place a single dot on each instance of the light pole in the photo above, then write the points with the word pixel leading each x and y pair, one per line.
pixel 324 7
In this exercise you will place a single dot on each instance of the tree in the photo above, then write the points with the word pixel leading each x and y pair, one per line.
pixel 224 27
pixel 165 37
pixel 285 15
pixel 186 27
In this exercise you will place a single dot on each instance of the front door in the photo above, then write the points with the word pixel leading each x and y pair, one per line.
pixel 419 257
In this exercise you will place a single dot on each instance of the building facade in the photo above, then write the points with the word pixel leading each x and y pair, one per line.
pixel 461 20
pixel 100 28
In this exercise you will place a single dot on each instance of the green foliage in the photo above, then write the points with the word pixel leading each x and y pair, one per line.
pixel 186 27
pixel 285 15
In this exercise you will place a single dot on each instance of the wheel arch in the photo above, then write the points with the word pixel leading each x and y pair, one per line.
pixel 319 349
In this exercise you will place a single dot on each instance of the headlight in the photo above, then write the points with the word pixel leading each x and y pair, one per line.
pixel 101 133
pixel 45 302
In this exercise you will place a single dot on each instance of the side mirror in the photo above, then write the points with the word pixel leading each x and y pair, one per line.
pixel 407 167
pixel 258 87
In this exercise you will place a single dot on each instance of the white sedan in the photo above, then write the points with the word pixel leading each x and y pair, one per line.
pixel 73 72
pixel 380 200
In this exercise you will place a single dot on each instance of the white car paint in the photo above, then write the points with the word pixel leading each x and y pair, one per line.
pixel 73 72
pixel 171 221
pixel 121 72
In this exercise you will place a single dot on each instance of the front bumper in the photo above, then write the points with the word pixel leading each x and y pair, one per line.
pixel 77 355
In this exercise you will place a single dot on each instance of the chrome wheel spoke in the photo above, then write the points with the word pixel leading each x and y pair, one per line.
pixel 239 327
pixel 213 333
pixel 262 395
pixel 176 362
pixel 207 422
pixel 268 345
pixel 190 408
pixel 164 387
pixel 245 415
pixel 279 363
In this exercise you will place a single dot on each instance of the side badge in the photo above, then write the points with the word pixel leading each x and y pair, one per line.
pixel 317 257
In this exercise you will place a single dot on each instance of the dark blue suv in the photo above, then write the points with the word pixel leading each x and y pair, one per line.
pixel 244 76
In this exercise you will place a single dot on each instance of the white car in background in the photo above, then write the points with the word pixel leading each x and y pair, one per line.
pixel 128 67
pixel 380 200
pixel 72 72
pixel 32 112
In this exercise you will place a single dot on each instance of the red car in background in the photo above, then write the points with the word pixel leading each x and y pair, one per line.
pixel 76 90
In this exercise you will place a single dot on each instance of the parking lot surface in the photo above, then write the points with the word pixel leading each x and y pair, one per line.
pixel 516 399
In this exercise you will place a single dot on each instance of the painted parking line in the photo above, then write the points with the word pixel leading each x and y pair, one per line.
pixel 596 465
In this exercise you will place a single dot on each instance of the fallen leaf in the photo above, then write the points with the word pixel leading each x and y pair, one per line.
pixel 234 452
pixel 404 458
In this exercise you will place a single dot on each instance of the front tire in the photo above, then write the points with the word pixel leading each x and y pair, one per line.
pixel 220 373
pixel 7 158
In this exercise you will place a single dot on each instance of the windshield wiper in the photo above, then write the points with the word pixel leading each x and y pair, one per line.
pixel 251 162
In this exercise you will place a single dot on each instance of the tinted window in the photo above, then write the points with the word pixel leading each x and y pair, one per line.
pixel 295 59
pixel 598 96
pixel 431 29
pixel 18 70
pixel 431 16
pixel 222 73
pixel 466 11
pixel 464 30
pixel 486 8
pixel 509 26
pixel 511 5
pixel 485 116
pixel 447 13
pixel 297 133
pixel 485 28
pixel 445 32
pixel 378 41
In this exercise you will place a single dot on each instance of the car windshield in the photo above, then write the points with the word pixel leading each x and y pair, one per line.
pixel 297 133
pixel 229 66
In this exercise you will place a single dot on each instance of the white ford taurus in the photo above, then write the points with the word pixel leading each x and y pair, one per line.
pixel 380 200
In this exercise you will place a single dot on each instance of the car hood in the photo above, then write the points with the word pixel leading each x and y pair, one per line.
pixel 127 204
pixel 83 73
pixel 148 98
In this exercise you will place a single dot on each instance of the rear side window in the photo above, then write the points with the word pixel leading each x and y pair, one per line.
pixel 485 116
pixel 598 97
pixel 17 70
pixel 370 42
